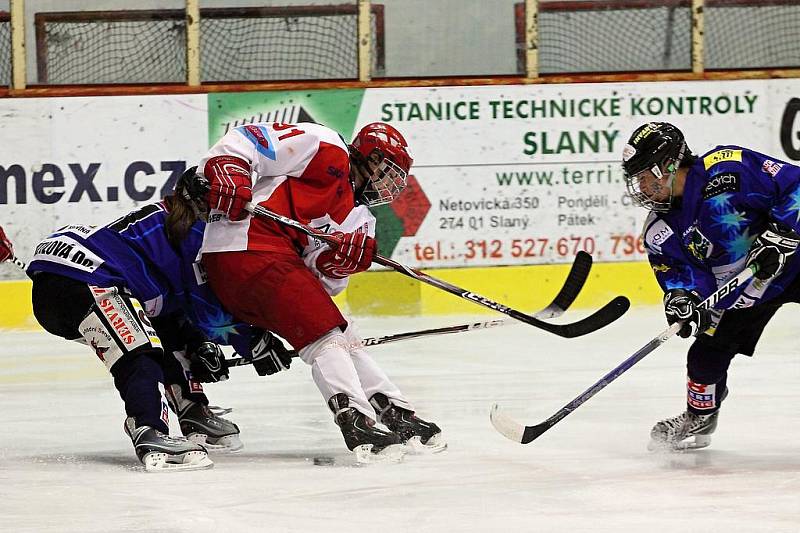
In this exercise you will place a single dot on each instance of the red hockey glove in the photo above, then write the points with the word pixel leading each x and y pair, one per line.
pixel 230 182
pixel 353 254
pixel 6 249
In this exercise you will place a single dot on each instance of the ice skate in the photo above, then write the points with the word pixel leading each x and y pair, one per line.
pixel 162 453
pixel 368 443
pixel 686 431
pixel 417 434
pixel 204 424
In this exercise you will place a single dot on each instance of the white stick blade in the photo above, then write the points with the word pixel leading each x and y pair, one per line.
pixel 506 425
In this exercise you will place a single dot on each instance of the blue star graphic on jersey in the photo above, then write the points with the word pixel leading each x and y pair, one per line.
pixel 739 245
pixel 685 281
pixel 793 207
pixel 731 221
pixel 720 201
pixel 218 326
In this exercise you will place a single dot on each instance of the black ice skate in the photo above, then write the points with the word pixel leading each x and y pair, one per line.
pixel 417 434
pixel 204 424
pixel 369 443
pixel 162 453
pixel 674 433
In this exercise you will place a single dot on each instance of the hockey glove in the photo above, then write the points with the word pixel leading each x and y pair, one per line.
pixel 6 249
pixel 230 185
pixel 772 249
pixel 270 356
pixel 681 305
pixel 207 363
pixel 353 253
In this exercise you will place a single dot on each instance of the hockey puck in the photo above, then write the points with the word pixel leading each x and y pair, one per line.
pixel 323 461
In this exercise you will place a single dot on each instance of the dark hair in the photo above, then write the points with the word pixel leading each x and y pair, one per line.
pixel 688 160
pixel 181 216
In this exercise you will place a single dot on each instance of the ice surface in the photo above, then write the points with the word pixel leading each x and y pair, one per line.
pixel 66 465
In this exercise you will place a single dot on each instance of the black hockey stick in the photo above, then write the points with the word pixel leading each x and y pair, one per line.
pixel 386 339
pixel 572 286
pixel 515 431
pixel 599 319
pixel 17 261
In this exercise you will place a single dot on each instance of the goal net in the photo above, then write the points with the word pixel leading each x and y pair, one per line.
pixel 655 35
pixel 236 44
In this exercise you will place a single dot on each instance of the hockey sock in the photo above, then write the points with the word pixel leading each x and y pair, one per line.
pixel 139 380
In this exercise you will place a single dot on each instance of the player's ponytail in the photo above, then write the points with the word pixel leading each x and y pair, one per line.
pixel 186 205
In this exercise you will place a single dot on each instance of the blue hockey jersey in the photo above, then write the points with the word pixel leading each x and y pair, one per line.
pixel 730 195
pixel 133 253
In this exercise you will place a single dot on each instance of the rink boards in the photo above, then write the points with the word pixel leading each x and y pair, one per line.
pixel 390 294
pixel 508 182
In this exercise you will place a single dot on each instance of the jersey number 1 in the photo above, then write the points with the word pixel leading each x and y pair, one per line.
pixel 277 126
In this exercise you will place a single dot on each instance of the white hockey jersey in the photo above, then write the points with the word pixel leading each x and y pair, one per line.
pixel 301 171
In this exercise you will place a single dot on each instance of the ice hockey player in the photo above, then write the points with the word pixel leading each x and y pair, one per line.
pixel 710 217
pixel 132 291
pixel 6 248
pixel 271 276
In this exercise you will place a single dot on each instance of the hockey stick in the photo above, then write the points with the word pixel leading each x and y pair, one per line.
pixel 386 339
pixel 515 431
pixel 572 286
pixel 18 262
pixel 599 319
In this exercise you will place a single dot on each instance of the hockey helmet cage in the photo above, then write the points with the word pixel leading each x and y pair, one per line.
pixel 658 148
pixel 380 154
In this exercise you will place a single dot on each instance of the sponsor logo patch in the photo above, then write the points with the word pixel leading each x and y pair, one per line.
pixel 657 234
pixel 628 151
pixel 771 167
pixel 701 396
pixel 721 155
pixel 724 182
pixel 119 316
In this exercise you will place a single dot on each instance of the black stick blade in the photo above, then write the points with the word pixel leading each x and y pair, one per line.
pixel 597 320
pixel 578 274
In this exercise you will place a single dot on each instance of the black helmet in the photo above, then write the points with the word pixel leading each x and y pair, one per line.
pixel 191 185
pixel 658 147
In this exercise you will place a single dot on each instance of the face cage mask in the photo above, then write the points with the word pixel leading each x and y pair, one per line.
pixel 633 184
pixel 385 184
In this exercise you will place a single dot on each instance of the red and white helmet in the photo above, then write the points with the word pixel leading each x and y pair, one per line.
pixel 380 154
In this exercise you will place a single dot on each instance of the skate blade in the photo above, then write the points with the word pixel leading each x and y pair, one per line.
pixel 391 454
pixel 226 444
pixel 700 441
pixel 435 444
pixel 157 462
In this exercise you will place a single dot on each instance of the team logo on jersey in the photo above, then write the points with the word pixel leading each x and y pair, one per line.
pixel 721 155
pixel 661 268
pixel 259 136
pixel 699 246
pixel 723 182
pixel 771 167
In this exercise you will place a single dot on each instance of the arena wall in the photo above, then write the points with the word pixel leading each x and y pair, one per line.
pixel 508 182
